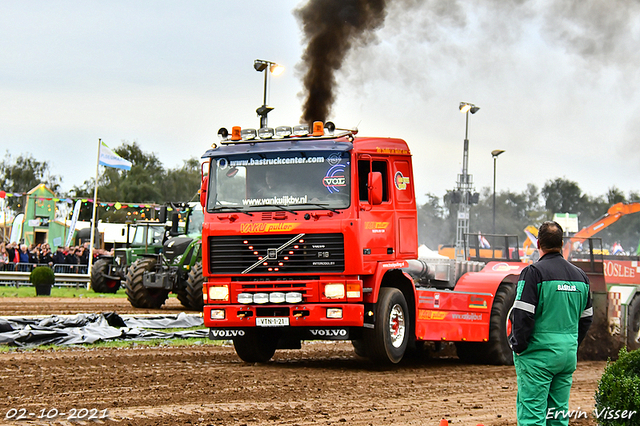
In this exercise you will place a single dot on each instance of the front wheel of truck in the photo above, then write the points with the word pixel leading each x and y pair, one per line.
pixel 256 346
pixel 387 342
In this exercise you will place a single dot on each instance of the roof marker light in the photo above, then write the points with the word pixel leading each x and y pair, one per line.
pixel 283 131
pixel 301 130
pixel 266 133
pixel 248 134
pixel 318 128
pixel 236 133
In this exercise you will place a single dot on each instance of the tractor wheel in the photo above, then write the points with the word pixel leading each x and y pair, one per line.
pixel 100 283
pixel 255 346
pixel 139 296
pixel 387 342
pixel 633 330
pixel 195 281
pixel 190 293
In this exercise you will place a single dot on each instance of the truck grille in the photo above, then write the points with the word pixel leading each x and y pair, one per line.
pixel 276 254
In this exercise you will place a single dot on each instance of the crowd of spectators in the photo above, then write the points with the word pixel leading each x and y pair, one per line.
pixel 41 254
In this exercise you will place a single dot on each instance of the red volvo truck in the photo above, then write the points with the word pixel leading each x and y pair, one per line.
pixel 313 235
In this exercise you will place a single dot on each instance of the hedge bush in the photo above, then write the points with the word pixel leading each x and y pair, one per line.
pixel 618 393
pixel 42 275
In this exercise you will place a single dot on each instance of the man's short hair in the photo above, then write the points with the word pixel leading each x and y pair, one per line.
pixel 550 236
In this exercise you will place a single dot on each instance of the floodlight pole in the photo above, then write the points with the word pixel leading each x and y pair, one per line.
pixel 266 67
pixel 495 154
pixel 465 185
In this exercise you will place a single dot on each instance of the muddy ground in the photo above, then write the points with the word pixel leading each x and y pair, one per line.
pixel 322 384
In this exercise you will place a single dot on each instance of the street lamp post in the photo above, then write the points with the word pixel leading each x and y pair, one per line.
pixel 465 185
pixel 275 69
pixel 495 154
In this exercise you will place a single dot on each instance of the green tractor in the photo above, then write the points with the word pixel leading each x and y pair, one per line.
pixel 176 269
pixel 108 272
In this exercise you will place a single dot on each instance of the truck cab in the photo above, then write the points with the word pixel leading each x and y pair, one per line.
pixel 313 235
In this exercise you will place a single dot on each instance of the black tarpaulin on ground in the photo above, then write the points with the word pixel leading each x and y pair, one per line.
pixel 91 328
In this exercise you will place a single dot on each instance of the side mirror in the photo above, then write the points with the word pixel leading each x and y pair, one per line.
pixel 162 214
pixel 175 218
pixel 375 188
pixel 203 191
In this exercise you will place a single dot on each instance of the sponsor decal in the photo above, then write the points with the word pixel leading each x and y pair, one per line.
pixel 392 151
pixel 501 267
pixel 226 333
pixel 477 302
pixel 329 333
pixel 619 270
pixel 401 181
pixel 333 159
pixel 284 200
pixel 425 314
pixel 567 287
pixel 467 317
pixel 255 228
pixel 335 178
pixel 394 265
pixel 376 225
pixel 436 300
pixel 334 181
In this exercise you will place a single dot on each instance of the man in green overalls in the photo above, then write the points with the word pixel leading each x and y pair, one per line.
pixel 550 317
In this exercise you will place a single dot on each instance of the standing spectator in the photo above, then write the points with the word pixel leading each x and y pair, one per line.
pixel 34 255
pixel 550 317
pixel 13 252
pixel 24 254
pixel 4 257
pixel 58 256
pixel 46 257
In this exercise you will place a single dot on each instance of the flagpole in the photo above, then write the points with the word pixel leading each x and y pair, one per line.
pixel 93 216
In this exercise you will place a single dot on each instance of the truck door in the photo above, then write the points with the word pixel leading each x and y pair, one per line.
pixel 377 230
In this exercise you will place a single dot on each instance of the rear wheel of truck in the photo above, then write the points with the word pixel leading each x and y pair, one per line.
pixel 256 346
pixel 387 341
pixel 139 296
pixel 99 282
pixel 633 331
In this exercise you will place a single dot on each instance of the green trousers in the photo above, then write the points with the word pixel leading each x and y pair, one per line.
pixel 544 384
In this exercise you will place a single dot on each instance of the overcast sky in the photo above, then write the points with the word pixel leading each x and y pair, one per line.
pixel 556 83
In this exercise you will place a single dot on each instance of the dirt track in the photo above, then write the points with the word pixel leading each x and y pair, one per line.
pixel 324 383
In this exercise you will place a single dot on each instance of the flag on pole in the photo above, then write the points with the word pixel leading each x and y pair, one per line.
pixel 484 243
pixel 109 158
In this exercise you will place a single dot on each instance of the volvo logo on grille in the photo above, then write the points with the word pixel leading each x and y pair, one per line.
pixel 226 333
pixel 272 253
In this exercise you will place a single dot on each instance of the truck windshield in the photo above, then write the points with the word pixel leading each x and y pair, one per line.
pixel 297 180
pixel 153 234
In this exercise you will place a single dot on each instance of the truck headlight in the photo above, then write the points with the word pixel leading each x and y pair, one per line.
pixel 334 291
pixel 219 292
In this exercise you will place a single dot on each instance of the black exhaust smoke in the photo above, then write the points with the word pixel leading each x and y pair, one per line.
pixel 331 28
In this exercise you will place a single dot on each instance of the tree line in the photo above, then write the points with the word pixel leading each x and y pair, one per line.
pixel 437 218
pixel 149 181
